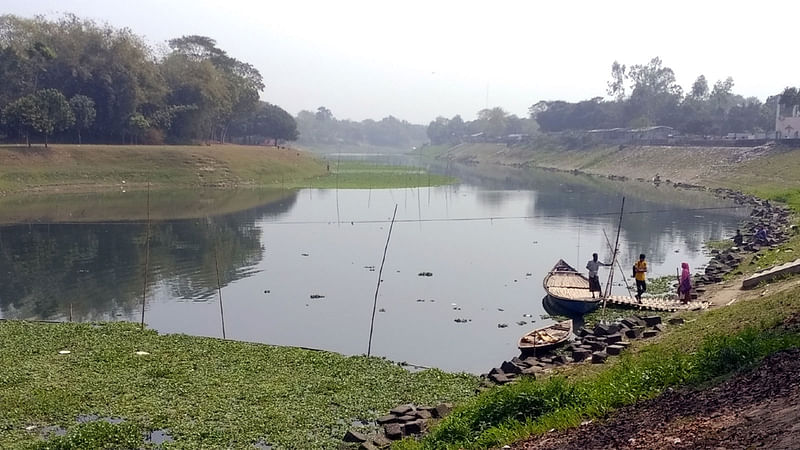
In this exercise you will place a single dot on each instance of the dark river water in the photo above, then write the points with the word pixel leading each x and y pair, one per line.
pixel 488 242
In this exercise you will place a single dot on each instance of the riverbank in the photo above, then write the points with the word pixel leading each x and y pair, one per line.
pixel 93 168
pixel 770 171
pixel 115 383
pixel 710 345
pixel 117 168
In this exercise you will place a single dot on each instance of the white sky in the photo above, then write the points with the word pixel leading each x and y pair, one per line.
pixel 419 59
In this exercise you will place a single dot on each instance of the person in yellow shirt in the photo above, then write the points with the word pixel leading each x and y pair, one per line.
pixel 640 274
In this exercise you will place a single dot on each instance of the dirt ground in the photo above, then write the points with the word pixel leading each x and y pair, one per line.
pixel 757 409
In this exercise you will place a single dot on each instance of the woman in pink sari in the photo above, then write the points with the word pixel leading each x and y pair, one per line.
pixel 685 286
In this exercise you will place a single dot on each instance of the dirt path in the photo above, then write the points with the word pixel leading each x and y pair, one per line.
pixel 729 292
pixel 759 409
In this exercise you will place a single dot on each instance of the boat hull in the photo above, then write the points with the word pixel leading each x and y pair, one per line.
pixel 574 306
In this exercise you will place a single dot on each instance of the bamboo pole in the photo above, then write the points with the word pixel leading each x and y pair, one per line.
pixel 146 255
pixel 614 258
pixel 378 287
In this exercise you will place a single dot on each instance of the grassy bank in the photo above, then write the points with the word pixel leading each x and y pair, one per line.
pixel 91 167
pixel 206 392
pixel 362 175
pixel 710 345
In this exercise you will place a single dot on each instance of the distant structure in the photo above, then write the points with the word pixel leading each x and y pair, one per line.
pixel 632 134
pixel 787 127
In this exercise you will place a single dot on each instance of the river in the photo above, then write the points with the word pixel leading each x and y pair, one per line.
pixel 487 242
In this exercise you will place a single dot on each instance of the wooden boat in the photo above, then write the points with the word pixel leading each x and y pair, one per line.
pixel 542 339
pixel 569 289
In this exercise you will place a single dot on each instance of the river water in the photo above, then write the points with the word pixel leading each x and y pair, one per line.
pixel 488 242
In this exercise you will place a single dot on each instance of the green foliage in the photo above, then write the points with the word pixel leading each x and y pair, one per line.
pixel 656 99
pixel 84 111
pixel 96 435
pixel 356 175
pixel 662 285
pixel 209 393
pixel 196 92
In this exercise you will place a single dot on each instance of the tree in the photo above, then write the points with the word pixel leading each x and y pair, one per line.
pixel 616 87
pixel 699 88
pixel 323 114
pixel 493 121
pixel 437 130
pixel 84 112
pixel 21 116
pixel 137 126
pixel 54 112
pixel 272 121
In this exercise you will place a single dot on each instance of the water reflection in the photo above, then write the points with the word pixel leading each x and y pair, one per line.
pixel 95 271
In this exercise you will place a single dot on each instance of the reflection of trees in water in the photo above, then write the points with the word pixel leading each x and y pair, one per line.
pixel 578 199
pixel 98 268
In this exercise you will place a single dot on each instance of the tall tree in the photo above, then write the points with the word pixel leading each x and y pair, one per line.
pixel 616 87
pixel 20 116
pixel 54 113
pixel 699 88
pixel 84 112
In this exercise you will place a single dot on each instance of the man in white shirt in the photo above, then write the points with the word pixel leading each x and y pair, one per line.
pixel 594 281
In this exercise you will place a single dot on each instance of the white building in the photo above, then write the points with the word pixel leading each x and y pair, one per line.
pixel 787 127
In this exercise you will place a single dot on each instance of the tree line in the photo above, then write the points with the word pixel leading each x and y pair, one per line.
pixel 321 128
pixel 77 80
pixel 491 124
pixel 641 95
pixel 647 95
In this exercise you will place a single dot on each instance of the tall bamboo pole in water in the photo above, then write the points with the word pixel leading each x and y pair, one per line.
pixel 613 259
pixel 219 290
pixel 146 254
pixel 378 287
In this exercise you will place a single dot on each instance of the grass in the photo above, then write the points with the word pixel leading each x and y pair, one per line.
pixel 360 175
pixel 87 167
pixel 93 168
pixel 206 392
pixel 711 345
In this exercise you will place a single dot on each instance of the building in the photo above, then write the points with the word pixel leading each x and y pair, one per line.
pixel 787 127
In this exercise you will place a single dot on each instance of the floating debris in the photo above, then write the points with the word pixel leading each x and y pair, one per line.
pixel 425 274
pixel 317 296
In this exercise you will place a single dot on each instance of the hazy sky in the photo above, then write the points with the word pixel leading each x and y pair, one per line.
pixel 419 59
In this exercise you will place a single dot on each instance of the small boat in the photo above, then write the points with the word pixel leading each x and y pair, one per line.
pixel 569 289
pixel 546 338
